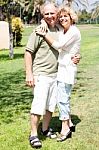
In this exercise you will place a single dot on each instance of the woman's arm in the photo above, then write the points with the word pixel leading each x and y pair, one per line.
pixel 67 39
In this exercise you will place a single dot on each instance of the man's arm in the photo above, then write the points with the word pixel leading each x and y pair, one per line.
pixel 28 68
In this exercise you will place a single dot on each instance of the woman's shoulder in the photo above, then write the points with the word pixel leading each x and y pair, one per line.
pixel 75 29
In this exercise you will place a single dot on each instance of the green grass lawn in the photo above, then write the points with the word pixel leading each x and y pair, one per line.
pixel 16 98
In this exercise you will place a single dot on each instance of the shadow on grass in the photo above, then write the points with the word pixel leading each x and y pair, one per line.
pixel 6 56
pixel 82 83
pixel 15 97
pixel 55 124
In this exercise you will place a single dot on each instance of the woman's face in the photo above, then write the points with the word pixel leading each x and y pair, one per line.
pixel 65 20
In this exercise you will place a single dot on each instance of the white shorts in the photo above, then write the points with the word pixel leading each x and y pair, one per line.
pixel 44 94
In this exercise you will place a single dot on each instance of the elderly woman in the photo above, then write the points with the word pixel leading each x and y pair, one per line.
pixel 68 46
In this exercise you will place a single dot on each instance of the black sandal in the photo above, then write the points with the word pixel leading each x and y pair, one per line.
pixel 49 133
pixel 35 142
pixel 72 128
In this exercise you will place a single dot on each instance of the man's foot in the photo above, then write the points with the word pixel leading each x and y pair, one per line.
pixel 49 133
pixel 35 142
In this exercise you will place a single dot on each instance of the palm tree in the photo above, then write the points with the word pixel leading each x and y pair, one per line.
pixel 30 7
pixel 95 11
pixel 32 4
pixel 84 3
pixel 2 2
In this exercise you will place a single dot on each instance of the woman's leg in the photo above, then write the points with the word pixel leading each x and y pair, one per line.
pixel 64 91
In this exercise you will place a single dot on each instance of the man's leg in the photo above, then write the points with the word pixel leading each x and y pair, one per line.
pixel 34 124
pixel 38 106
pixel 46 131
pixel 46 120
pixel 34 140
pixel 50 107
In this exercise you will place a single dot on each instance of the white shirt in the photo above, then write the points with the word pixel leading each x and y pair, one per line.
pixel 70 45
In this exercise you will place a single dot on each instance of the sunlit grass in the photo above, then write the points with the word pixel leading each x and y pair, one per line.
pixel 16 98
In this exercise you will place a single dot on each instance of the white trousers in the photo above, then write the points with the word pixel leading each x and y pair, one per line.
pixel 45 91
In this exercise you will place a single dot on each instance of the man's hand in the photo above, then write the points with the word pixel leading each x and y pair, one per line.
pixel 28 69
pixel 30 80
pixel 76 59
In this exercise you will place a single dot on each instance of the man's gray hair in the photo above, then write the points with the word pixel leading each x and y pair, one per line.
pixel 46 4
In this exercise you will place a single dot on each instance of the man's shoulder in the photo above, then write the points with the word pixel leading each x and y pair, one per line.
pixel 34 36
pixel 59 27
pixel 33 33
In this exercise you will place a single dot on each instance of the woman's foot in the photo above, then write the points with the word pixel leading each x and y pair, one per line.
pixel 62 137
pixel 72 128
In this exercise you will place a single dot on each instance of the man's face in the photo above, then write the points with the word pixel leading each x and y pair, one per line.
pixel 50 15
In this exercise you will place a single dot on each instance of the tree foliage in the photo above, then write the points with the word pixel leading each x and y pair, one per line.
pixel 84 16
pixel 95 11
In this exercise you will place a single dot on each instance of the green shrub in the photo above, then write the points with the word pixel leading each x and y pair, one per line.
pixel 17 29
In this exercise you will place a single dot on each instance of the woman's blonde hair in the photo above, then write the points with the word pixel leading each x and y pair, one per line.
pixel 70 12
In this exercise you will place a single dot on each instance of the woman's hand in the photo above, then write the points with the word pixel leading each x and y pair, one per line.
pixel 39 31
pixel 43 25
pixel 76 58
pixel 42 28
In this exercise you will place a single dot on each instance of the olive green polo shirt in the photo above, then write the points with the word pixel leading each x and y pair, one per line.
pixel 44 56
